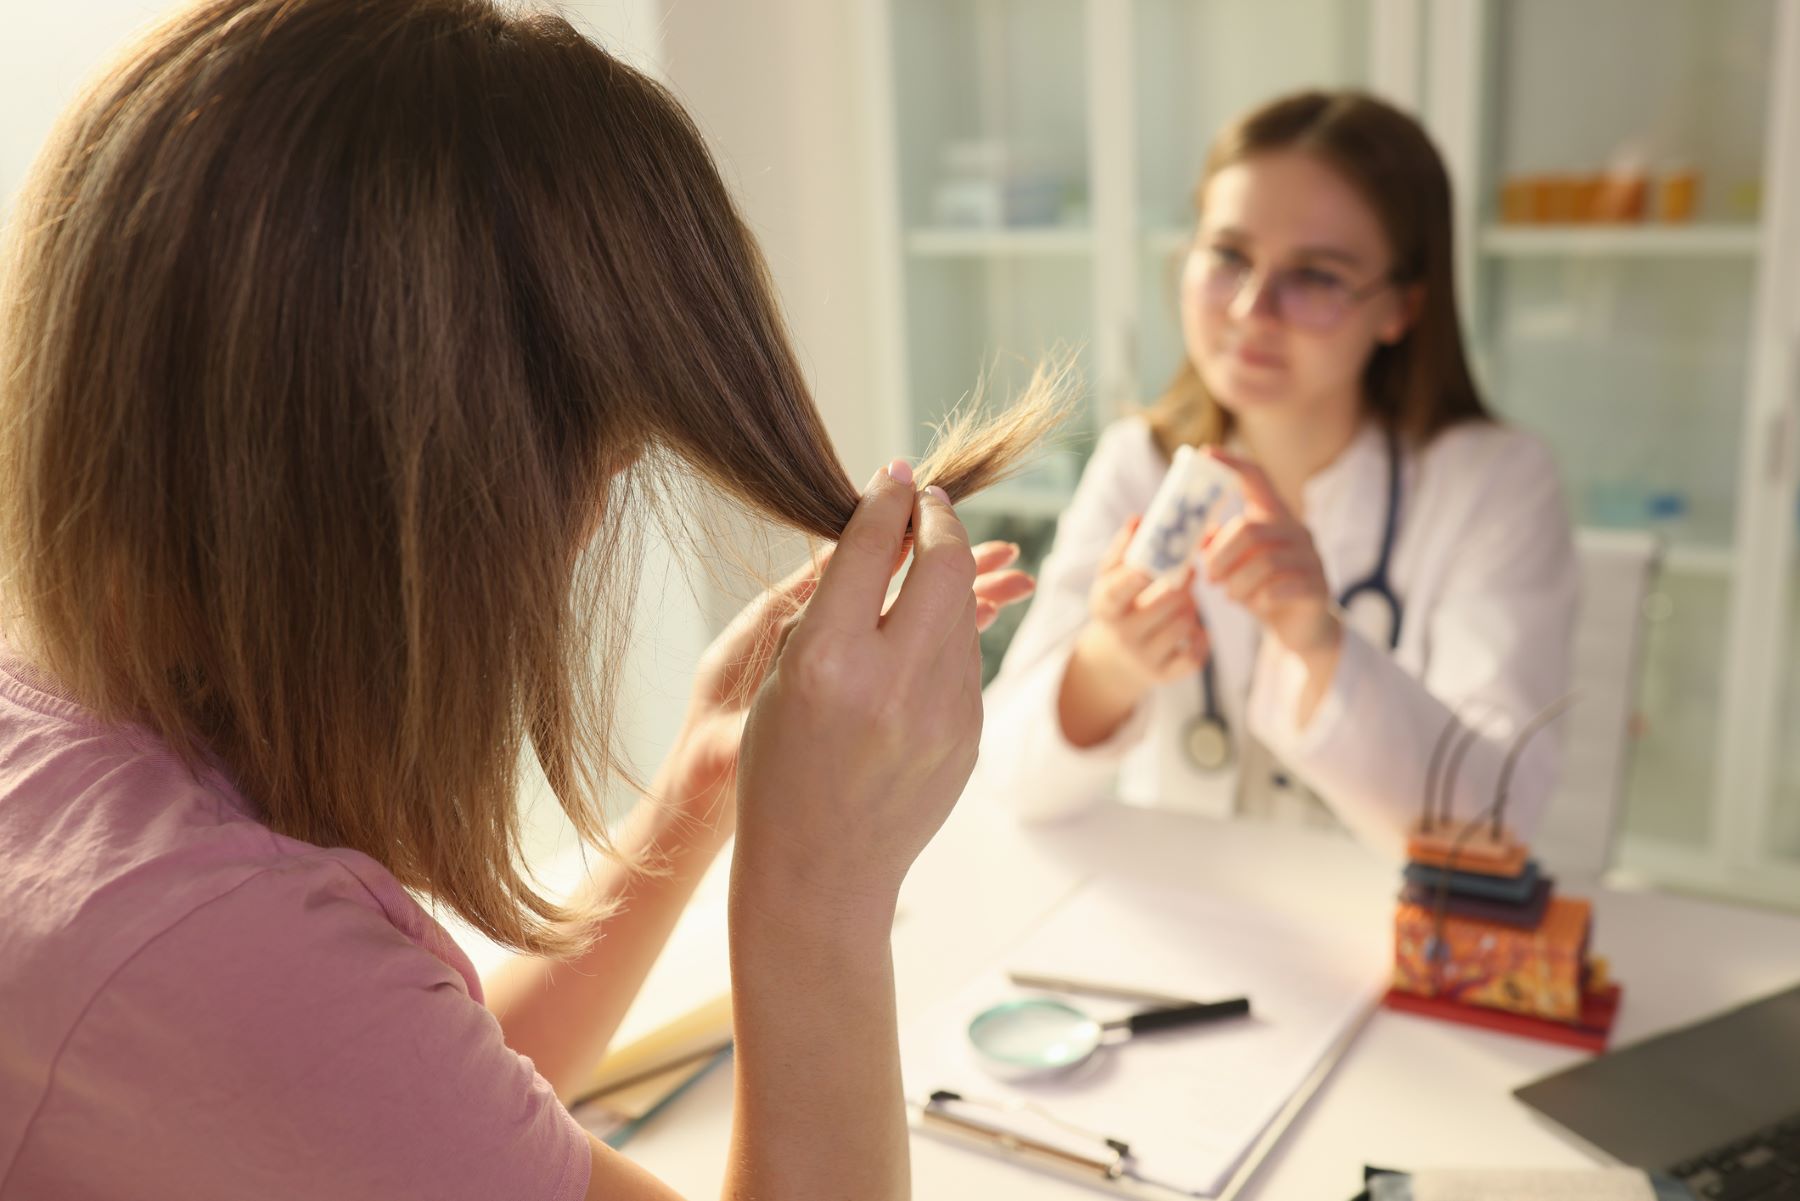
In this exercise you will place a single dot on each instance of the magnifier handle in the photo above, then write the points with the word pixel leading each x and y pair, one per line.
pixel 1187 1015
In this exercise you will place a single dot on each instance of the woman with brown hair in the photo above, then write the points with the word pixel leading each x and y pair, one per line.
pixel 1400 557
pixel 339 341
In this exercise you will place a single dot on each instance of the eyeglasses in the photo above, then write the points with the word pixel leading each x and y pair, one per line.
pixel 1308 298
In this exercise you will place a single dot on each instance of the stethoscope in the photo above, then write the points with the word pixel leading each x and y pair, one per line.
pixel 1209 735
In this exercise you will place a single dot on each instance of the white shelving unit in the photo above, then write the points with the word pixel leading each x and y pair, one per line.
pixel 997 243
pixel 1661 361
pixel 1082 83
pixel 1620 241
pixel 1699 560
pixel 1168 241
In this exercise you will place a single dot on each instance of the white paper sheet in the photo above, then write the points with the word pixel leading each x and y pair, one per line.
pixel 1189 1102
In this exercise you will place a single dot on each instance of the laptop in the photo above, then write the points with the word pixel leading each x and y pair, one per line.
pixel 1716 1104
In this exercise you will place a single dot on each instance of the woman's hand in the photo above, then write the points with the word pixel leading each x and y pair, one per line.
pixel 866 727
pixel 997 583
pixel 857 746
pixel 1265 560
pixel 1140 633
pixel 700 774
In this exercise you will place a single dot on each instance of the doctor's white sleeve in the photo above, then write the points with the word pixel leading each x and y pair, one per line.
pixel 1500 636
pixel 1026 763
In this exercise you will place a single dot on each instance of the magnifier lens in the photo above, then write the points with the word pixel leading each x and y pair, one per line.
pixel 1034 1034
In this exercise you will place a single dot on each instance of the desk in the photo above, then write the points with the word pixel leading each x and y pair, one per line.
pixel 1411 1093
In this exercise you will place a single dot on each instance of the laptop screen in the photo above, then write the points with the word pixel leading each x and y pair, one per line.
pixel 1669 1098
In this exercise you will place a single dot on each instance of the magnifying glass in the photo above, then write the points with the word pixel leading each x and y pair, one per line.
pixel 1036 1035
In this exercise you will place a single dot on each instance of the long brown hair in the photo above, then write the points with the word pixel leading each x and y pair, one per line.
pixel 330 330
pixel 1420 385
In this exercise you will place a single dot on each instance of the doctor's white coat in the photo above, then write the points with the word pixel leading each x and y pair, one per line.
pixel 1484 565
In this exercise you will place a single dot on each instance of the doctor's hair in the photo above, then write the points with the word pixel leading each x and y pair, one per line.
pixel 343 345
pixel 1421 385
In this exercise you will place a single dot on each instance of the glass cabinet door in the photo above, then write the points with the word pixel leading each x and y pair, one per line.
pixel 1773 837
pixel 992 133
pixel 1198 65
pixel 993 148
pixel 1784 808
pixel 1011 245
pixel 1616 198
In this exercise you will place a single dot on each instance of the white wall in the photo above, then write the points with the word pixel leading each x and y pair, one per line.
pixel 774 86
pixel 45 54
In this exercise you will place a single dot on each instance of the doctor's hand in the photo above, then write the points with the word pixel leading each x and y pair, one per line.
pixel 1140 633
pixel 1265 560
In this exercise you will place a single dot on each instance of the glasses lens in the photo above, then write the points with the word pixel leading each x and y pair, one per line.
pixel 1311 301
pixel 1221 279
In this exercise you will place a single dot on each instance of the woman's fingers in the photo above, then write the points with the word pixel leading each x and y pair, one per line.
pixel 1287 563
pixel 1253 579
pixel 1146 622
pixel 1244 583
pixel 992 556
pixel 1116 590
pixel 734 665
pixel 1275 596
pixel 995 586
pixel 1241 540
pixel 1003 587
pixel 855 583
pixel 1288 587
pixel 1174 588
pixel 939 588
pixel 1178 634
pixel 1115 550
pixel 987 610
pixel 1169 595
pixel 1259 490
pixel 995 591
pixel 769 613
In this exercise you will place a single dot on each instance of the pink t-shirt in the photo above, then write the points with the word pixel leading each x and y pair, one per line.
pixel 193 1007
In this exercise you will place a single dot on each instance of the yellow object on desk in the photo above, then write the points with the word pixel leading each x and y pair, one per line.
pixel 692 1038
pixel 638 1079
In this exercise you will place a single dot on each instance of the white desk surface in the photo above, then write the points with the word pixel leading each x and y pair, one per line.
pixel 1411 1093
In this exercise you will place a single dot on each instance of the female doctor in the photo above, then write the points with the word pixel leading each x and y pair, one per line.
pixel 1401 559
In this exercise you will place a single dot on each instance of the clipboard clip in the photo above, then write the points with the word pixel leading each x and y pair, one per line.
pixel 1110 1159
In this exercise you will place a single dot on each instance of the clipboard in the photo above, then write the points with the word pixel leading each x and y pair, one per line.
pixel 1108 1167
pixel 1191 1115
